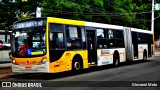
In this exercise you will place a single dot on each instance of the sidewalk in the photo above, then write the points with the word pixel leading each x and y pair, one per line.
pixel 157 52
pixel 5 70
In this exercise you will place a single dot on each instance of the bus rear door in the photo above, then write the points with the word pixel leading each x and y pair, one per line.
pixel 92 50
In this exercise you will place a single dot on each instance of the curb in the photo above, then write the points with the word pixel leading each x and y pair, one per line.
pixel 6 76
pixel 156 54
pixel 5 65
pixel 11 75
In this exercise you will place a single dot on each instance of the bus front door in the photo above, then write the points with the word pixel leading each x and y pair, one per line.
pixel 92 52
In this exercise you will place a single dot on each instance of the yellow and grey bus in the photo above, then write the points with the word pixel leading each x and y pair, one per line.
pixel 51 45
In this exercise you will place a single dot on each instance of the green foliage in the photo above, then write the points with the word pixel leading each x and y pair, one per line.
pixel 143 18
pixel 71 9
pixel 12 11
pixel 25 17
pixel 122 11
pixel 130 13
pixel 61 8
pixel 6 14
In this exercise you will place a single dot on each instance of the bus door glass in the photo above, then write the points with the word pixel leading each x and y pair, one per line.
pixel 135 44
pixel 92 54
pixel 56 41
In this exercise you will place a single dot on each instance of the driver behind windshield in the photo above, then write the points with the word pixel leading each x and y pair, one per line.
pixel 24 48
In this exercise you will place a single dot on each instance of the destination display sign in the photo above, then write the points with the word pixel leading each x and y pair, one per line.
pixel 29 23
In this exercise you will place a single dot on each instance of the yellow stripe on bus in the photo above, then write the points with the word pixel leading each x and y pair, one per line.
pixel 66 21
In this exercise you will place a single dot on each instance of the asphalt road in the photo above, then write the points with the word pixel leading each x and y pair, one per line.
pixel 105 77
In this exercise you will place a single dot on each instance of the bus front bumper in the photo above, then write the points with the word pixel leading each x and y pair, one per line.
pixel 43 68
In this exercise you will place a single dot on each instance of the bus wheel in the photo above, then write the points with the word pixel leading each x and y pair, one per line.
pixel 76 65
pixel 115 61
pixel 145 55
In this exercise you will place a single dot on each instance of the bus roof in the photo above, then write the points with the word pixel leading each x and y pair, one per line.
pixel 101 25
pixel 141 30
pixel 30 19
pixel 84 23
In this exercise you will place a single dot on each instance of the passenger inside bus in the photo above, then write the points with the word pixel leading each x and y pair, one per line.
pixel 24 48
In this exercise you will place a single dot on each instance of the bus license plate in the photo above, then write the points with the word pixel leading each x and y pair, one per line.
pixel 28 68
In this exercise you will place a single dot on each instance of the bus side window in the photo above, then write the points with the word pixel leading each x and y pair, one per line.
pixel 111 38
pixel 101 39
pixel 74 40
pixel 140 38
pixel 56 36
pixel 83 38
pixel 119 38
pixel 56 40
pixel 110 33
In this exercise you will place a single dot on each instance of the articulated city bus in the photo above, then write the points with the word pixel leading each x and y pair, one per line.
pixel 51 45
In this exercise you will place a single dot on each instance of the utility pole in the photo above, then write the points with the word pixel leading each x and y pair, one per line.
pixel 152 19
pixel 152 25
pixel 38 12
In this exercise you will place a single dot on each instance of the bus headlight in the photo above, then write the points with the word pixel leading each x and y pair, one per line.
pixel 14 62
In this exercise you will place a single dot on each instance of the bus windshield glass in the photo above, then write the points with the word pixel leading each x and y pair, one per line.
pixel 28 42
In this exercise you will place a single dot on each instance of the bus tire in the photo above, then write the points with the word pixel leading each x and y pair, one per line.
pixel 116 59
pixel 77 64
pixel 145 55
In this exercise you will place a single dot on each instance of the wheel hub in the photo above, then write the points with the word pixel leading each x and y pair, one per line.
pixel 77 65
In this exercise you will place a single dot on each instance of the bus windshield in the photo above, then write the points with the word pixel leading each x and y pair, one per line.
pixel 28 42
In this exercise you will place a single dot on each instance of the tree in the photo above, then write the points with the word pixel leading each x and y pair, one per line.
pixel 120 11
pixel 61 8
pixel 98 11
pixel 143 15
pixel 13 10
pixel 131 13
pixel 88 10
pixel 7 14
